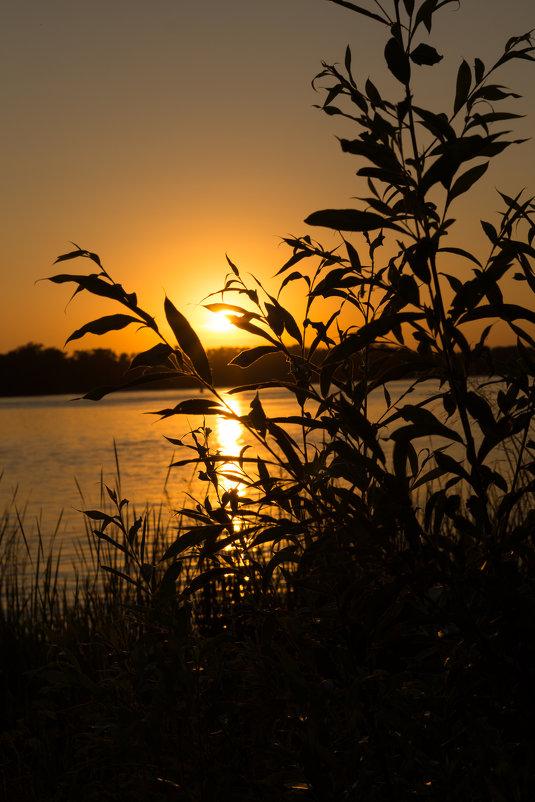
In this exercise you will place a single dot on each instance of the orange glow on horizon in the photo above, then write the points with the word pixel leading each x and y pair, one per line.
pixel 165 176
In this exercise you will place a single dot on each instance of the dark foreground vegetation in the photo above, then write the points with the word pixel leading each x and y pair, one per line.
pixel 33 369
pixel 332 620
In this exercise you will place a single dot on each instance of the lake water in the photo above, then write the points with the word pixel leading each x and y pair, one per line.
pixel 52 447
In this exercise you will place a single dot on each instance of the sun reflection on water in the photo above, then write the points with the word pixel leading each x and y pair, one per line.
pixel 231 439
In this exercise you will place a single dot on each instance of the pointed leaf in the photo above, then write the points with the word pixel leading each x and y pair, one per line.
pixel 124 576
pixel 361 10
pixel 451 465
pixel 256 416
pixel 461 252
pixel 479 70
pixel 201 580
pixel 418 258
pixel 507 312
pixel 192 406
pixel 462 90
pixel 381 155
pixel 349 220
pixel 290 325
pixel 293 260
pixel 237 310
pixel 79 252
pixel 99 392
pixel 287 554
pixel 246 358
pixel 438 124
pixel 354 257
pixel 294 277
pixel 193 537
pixel 434 473
pixel 233 267
pixel 240 323
pixel 372 92
pixel 97 286
pixel 397 60
pixel 481 411
pixel 245 388
pixel 493 93
pixel 274 534
pixel 157 355
pixel 188 341
pixel 286 444
pixel 98 515
pixel 111 541
pixel 275 319
pixel 490 231
pixel 466 180
pixel 429 424
pixel 103 325
pixel 367 334
pixel 426 11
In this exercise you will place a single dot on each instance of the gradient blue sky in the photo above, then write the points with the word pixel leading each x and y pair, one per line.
pixel 165 134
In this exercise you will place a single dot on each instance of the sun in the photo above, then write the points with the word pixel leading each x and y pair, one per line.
pixel 219 323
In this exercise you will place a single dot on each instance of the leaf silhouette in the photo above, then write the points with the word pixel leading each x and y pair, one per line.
pixel 233 267
pixel 97 393
pixel 96 285
pixel 103 325
pixel 193 537
pixel 507 312
pixel 158 355
pixel 240 323
pixel 79 252
pixel 361 10
pixel 286 554
pixel 206 577
pixel 466 180
pixel 368 334
pixel 280 318
pixel 438 124
pixel 425 423
pixel 426 11
pixel 275 319
pixel 192 406
pixel 231 308
pixel 397 60
pixel 188 341
pixel 425 54
pixel 246 358
pixel 286 444
pixel 350 220
pixel 409 6
pixel 462 89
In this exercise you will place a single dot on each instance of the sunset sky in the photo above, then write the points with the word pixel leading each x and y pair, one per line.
pixel 165 134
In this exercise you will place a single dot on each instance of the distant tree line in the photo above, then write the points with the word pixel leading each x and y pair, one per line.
pixel 33 369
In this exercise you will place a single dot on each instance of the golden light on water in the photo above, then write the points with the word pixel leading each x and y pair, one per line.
pixel 230 435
